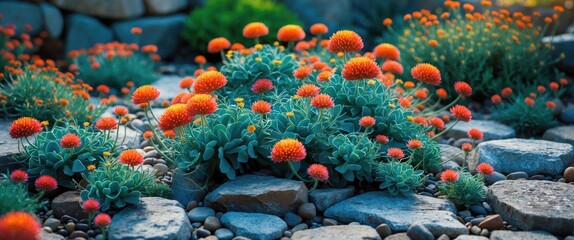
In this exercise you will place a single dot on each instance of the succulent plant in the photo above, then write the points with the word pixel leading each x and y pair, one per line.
pixel 15 197
pixel 399 177
pixel 468 189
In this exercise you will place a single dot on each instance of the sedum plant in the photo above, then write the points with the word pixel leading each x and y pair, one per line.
pixel 399 177
pixel 464 189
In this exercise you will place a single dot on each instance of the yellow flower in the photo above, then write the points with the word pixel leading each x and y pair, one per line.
pixel 107 154
pixel 410 118
pixel 258 59
pixel 371 82
pixel 91 167
pixel 198 120
pixel 392 106
pixel 251 128
pixel 290 114
pixel 108 164
pixel 275 43
pixel 277 62
pixel 281 48
pixel 238 100
pixel 241 104
pixel 258 46
pixel 398 81
pixel 340 54
pixel 45 123
pixel 332 60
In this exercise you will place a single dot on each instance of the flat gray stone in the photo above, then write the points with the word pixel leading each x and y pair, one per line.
pixel 324 198
pixel 165 6
pixel 154 218
pixel 526 155
pixel 349 232
pixel 513 235
pixel 399 212
pixel 127 136
pixel 53 20
pixel 113 9
pixel 258 194
pixel 534 205
pixel 69 203
pixel 8 148
pixel 563 134
pixel 85 31
pixel 492 130
pixel 50 236
pixel 21 14
pixel 450 153
pixel 254 225
pixel 470 237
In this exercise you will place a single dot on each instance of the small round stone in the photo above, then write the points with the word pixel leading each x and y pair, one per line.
pixel 475 230
pixel 287 234
pixel 70 227
pixel 307 211
pixel 224 234
pixel 292 219
pixel 190 205
pixel 201 232
pixel 199 214
pixel 79 234
pixel 212 223
pixel 569 174
pixel 484 233
pixel 384 230
pixel 300 227
pixel 329 222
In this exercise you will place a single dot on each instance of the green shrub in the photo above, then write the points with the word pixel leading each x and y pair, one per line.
pixel 399 177
pixel 467 190
pixel 226 18
pixel 15 197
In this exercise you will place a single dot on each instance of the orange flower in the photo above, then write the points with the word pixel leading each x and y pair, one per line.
pixel 302 72
pixel 201 104
pixel 393 67
pixel 121 110
pixel 318 172
pixel 102 220
pixel 19 225
pixel 360 68
pixel 46 183
pixel 209 81
pixel 387 51
pixel 468 7
pixel 106 123
pixel 506 92
pixel 563 81
pixel 437 123
pixel 200 59
pixel 367 121
pixel 449 176
pixel 261 106
pixel 145 94
pixel 345 41
pixel 186 83
pixel 475 134
pixel 322 101
pixel 485 169
pixel 387 22
pixel 529 101
pixel 426 73
pixel 131 157
pixel 149 48
pixel 169 133
pixel 136 31
pixel 175 116
pixel 19 176
pixel 288 150
pixel 463 88
pixel 308 90
pixel 541 89
pixel 324 76
pixel 461 113
pixel 255 30
pixel 198 72
pixel 395 153
pixel 237 47
pixel 24 127
pixel 70 140
pixel 218 44
pixel 433 43
pixel 441 93
pixel 414 144
pixel 554 86
pixel 290 32
pixel 467 147
pixel 550 104
pixel 261 86
pixel 103 89
pixel 495 99
pixel 147 134
pixel 319 29
pixel 382 139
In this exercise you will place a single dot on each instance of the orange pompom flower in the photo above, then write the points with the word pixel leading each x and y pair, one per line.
pixel 19 176
pixel 485 169
pixel 441 93
pixel 382 139
pixel 186 83
pixel 393 67
pixel 218 44
pixel 91 206
pixel 387 51
pixel 261 86
pixel 463 88
pixel 387 22
pixel 550 104
pixel 449 176
pixel 103 89
pixel 106 123
pixel 467 147
pixel 360 68
pixel 506 92
pixel 261 106
pixel 70 140
pixel 209 81
pixel 318 172
pixel 290 32
pixel 145 94
pixel 461 113
pixel 308 90
pixel 147 134
pixel 200 59
pixel 529 101
pixel 302 72
pixel 288 150
pixel 345 41
pixel 121 110
pixel 175 116
pixel 395 153
pixel 19 225
pixel 322 101
pixel 136 31
pixel 131 157
pixel 102 220
pixel 202 104
pixel 24 127
pixel 46 183
pixel 414 144
pixel 324 76
pixel 255 30
pixel 319 29
pixel 496 99
pixel 367 121
pixel 437 123
pixel 426 73
pixel 475 134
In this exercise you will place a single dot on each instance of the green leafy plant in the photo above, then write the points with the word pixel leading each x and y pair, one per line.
pixel 45 156
pixel 368 17
pixel 158 190
pixel 468 189
pixel 354 156
pixel 227 18
pixel 527 120
pixel 399 177
pixel 15 197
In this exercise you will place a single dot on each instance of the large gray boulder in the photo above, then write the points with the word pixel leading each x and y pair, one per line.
pixel 85 31
pixel 563 134
pixel 21 14
pixel 534 205
pixel 258 194
pixel 161 7
pixel 399 212
pixel 324 198
pixel 53 20
pixel 348 232
pixel 492 130
pixel 527 155
pixel 113 9
pixel 154 218
pixel 162 31
pixel 254 225
pixel 514 235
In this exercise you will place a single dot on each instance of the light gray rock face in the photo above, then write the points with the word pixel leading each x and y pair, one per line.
pixel 450 153
pixel 20 14
pixel 258 194
pixel 127 136
pixel 85 31
pixel 165 6
pixel 470 237
pixel 513 235
pixel 168 86
pixel 399 212
pixel 349 232
pixel 527 155
pixel 53 19
pixel 324 198
pixel 492 130
pixel 113 9
pixel 534 205
pixel 154 218
pixel 187 187
pixel 8 148
pixel 254 225
pixel 563 134
pixel 50 236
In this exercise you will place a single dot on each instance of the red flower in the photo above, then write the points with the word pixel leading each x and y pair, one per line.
pixel 19 176
pixel 367 121
pixel 550 104
pixel 121 110
pixel 426 73
pixel 19 225
pixel 136 31
pixel 255 30
pixel 107 123
pixel 506 92
pixel 288 150
pixel 393 67
pixel 485 169
pixel 461 113
pixel 467 147
pixel 414 144
pixel 169 133
pixel 103 89
pixel 395 153
pixel 463 88
pixel 541 89
pixel 437 123
pixel 324 76
pixel 70 140
pixel 209 81
pixel 449 176
pixel 308 90
pixel 475 134
pixel 147 134
pixel 387 51
pixel 318 29
pixel 290 33
pixel 529 101
pixel 174 116
pixel 345 41
pixel 318 172
pixel 495 99
pixel 360 68
pixel 91 206
pixel 24 127
pixel 200 59
pixel 554 86
pixel 261 107
pixel 186 83
pixel 441 93
pixel 322 101
pixel 46 183
pixel 131 157
pixel 144 94
pixel 262 85
pixel 202 104
pixel 218 44
pixel 382 139
pixel 102 220
pixel 302 72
